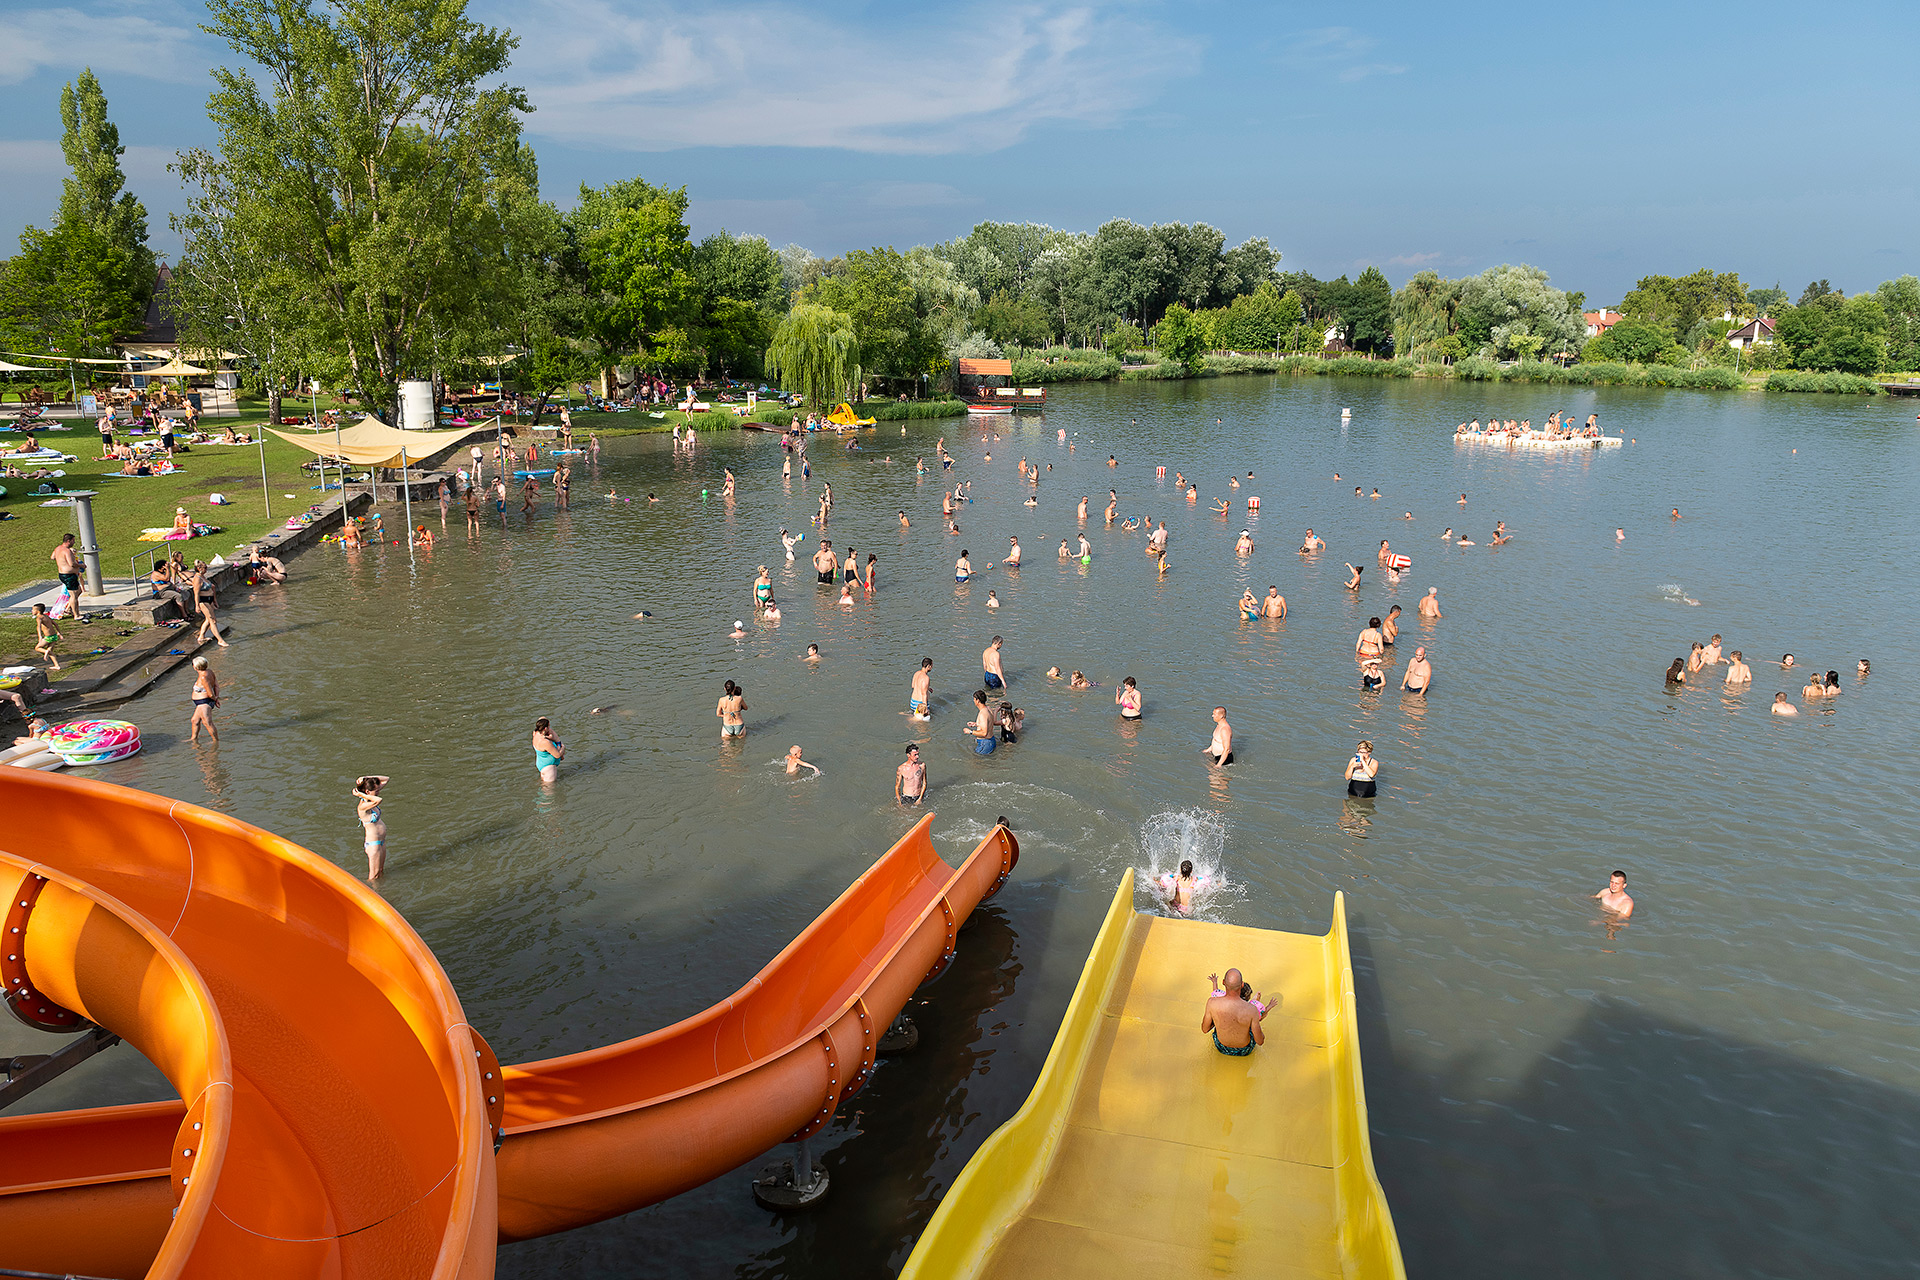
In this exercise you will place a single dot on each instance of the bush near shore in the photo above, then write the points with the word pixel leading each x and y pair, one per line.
pixel 1096 366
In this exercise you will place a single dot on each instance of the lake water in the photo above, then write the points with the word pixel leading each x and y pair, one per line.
pixel 1728 1086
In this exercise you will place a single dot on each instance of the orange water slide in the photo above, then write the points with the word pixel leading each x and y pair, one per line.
pixel 329 1073
pixel 360 1113
pixel 601 1133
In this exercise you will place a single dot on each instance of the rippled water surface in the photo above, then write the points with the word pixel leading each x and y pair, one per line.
pixel 1728 1086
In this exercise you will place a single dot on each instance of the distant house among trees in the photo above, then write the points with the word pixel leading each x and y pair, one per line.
pixel 1754 333
pixel 1598 322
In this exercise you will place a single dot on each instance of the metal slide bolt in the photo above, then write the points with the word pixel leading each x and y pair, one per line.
pixel 186 1151
pixel 196 1126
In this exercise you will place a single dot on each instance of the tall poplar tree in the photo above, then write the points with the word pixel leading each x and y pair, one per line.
pixel 94 193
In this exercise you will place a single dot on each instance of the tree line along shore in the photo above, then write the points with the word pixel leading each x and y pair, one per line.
pixel 395 251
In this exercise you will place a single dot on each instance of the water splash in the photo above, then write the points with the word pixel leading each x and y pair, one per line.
pixel 1672 591
pixel 1198 836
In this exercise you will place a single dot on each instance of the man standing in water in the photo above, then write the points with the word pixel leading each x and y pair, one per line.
pixel 825 562
pixel 1013 554
pixel 910 779
pixel 1419 674
pixel 1234 1018
pixel 473 511
pixel 1429 606
pixel 1220 749
pixel 921 691
pixel 1275 605
pixel 1614 897
pixel 995 675
pixel 1157 543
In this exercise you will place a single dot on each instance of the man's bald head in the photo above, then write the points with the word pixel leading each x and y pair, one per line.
pixel 1232 982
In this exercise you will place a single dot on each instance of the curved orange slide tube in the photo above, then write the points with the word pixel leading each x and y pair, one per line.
pixel 347 1111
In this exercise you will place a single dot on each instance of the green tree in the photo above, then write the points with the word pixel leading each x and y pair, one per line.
pixel 638 257
pixel 740 298
pixel 1252 321
pixel 1179 338
pixel 1123 340
pixel 1369 313
pixel 1678 303
pixel 1814 291
pixel 1900 301
pixel 1292 313
pixel 945 303
pixel 1423 314
pixel 1766 302
pixel 1015 322
pixel 67 292
pixel 383 158
pixel 1249 267
pixel 814 352
pixel 230 292
pixel 872 289
pixel 93 192
pixel 1508 302
pixel 1629 341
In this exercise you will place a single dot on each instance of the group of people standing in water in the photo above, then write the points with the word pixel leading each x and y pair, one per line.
pixel 1703 657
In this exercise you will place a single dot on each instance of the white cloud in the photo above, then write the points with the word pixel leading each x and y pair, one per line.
pixel 1337 51
pixel 1414 260
pixel 108 39
pixel 751 74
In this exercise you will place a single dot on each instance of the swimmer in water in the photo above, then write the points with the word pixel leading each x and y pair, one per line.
pixel 1463 499
pixel 732 704
pixel 1312 544
pixel 795 764
pixel 1781 707
pixel 812 654
pixel 1786 660
pixel 739 631
pixel 1078 681
pixel 1249 607
pixel 846 593
pixel 1353 583
pixel 910 779
pixel 1275 605
pixel 1619 535
pixel 1371 677
pixel 903 521
pixel 993 675
pixel 920 692
pixel 1179 888
pixel 1448 535
pixel 1677 673
pixel 1127 697
pixel 548 750
pixel 1064 553
pixel 1429 606
pixel 1737 670
pixel 993 600
pixel 1614 897
pixel 1086 549
pixel 771 611
pixel 1221 506
pixel 963 567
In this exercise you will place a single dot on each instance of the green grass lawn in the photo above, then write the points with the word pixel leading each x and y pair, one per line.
pixel 126 505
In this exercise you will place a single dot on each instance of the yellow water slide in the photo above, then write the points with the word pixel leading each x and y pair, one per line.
pixel 1144 1153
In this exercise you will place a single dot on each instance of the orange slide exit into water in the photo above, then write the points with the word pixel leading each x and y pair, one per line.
pixel 340 1118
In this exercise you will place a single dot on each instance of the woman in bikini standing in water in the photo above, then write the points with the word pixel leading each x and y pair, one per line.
pixel 366 802
pixel 206 696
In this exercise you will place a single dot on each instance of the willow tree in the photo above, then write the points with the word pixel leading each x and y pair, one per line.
pixel 814 351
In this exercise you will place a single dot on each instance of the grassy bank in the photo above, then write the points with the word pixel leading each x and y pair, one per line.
pixel 127 505
pixel 1097 366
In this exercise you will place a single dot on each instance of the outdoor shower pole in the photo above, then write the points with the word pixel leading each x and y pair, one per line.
pixel 264 495
pixel 89 545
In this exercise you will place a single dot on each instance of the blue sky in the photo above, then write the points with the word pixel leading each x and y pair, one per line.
pixel 1599 142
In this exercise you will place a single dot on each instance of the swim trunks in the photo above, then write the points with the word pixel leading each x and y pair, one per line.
pixel 826 579
pixel 984 746
pixel 907 799
pixel 993 681
pixel 1218 760
pixel 916 705
pixel 71 581
pixel 1241 1052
